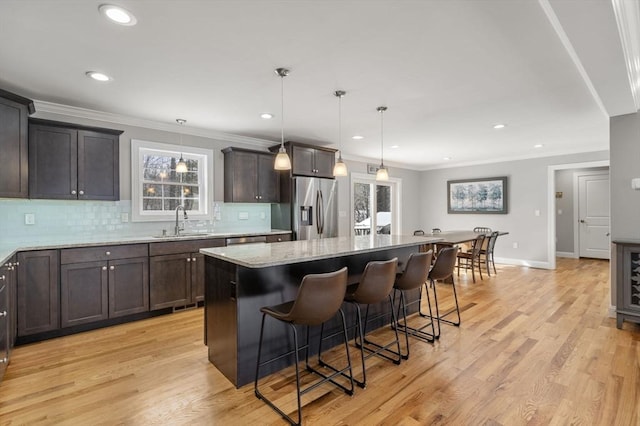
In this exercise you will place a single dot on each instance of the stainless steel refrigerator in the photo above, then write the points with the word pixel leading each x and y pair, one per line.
pixel 314 208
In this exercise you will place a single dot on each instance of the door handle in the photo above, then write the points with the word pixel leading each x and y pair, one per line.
pixel 318 208
pixel 321 213
pixel 582 221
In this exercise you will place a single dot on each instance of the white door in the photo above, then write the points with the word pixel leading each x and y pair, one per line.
pixel 593 214
pixel 375 206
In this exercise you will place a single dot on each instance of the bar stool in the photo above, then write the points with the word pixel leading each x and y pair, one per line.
pixel 414 277
pixel 375 285
pixel 441 270
pixel 319 299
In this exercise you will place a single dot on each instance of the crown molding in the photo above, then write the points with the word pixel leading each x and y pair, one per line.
pixel 89 114
pixel 627 14
pixel 564 39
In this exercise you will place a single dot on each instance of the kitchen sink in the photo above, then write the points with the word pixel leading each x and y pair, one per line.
pixel 183 235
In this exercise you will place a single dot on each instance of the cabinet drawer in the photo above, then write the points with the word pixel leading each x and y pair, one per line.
pixel 91 254
pixel 279 237
pixel 189 246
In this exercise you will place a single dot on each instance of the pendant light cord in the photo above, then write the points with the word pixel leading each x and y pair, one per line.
pixel 340 124
pixel 381 137
pixel 282 111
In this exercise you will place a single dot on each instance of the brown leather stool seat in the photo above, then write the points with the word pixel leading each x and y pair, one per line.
pixel 442 270
pixel 318 300
pixel 376 285
pixel 414 277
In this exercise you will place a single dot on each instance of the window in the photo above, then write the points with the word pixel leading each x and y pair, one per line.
pixel 157 189
pixel 375 205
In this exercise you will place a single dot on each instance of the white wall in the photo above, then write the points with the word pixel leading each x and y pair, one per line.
pixel 527 192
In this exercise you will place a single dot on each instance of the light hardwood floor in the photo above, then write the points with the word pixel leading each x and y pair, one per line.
pixel 535 347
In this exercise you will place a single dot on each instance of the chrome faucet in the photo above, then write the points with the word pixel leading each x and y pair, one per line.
pixel 179 228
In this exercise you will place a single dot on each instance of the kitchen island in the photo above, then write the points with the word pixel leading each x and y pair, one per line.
pixel 239 280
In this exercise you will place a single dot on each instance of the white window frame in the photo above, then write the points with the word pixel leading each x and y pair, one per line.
pixel 396 198
pixel 205 168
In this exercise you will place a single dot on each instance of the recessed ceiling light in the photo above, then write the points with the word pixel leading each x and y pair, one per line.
pixel 117 14
pixel 357 137
pixel 446 158
pixel 266 115
pixel 539 145
pixel 499 126
pixel 395 146
pixel 98 76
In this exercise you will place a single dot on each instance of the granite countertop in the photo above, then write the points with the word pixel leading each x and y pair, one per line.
pixel 264 255
pixel 7 249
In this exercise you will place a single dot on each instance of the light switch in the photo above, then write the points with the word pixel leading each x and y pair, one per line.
pixel 124 217
pixel 559 212
pixel 536 212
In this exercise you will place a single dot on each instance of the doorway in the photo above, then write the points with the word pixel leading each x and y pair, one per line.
pixel 592 219
pixel 375 205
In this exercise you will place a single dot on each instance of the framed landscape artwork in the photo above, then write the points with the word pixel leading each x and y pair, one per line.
pixel 485 195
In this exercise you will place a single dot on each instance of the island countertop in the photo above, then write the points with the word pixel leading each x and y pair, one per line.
pixel 265 255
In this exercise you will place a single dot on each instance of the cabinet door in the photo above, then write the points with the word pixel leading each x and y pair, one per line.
pixel 197 277
pixel 268 180
pixel 324 161
pixel 98 166
pixel 83 293
pixel 13 146
pixel 38 292
pixel 170 280
pixel 4 325
pixel 302 161
pixel 53 154
pixel 245 177
pixel 128 286
pixel 10 271
pixel 278 238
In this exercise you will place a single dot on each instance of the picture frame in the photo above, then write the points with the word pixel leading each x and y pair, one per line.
pixel 478 196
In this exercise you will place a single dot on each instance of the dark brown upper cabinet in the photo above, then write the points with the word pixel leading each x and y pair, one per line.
pixel 70 162
pixel 309 160
pixel 249 177
pixel 14 173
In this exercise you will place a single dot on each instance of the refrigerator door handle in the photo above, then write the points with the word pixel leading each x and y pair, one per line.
pixel 318 212
pixel 321 212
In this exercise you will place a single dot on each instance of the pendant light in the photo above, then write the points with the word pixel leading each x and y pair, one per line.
pixel 181 167
pixel 340 169
pixel 382 173
pixel 282 158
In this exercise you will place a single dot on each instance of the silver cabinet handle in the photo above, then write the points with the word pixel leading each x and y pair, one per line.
pixel 256 197
pixel 112 268
pixel 188 259
pixel 73 192
pixel 81 192
pixel 193 259
pixel 108 253
pixel 3 314
pixel 2 278
pixel 3 360
pixel 17 263
pixel 104 268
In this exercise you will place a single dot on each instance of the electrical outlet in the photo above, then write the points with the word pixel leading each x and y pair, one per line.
pixel 536 212
pixel 263 216
pixel 515 245
pixel 29 218
pixel 124 217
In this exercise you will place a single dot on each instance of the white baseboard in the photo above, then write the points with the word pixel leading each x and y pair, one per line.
pixel 568 254
pixel 612 311
pixel 523 262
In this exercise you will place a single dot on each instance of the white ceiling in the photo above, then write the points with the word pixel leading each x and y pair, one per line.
pixel 448 70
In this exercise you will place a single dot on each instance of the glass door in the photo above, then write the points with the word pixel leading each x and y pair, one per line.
pixel 375 207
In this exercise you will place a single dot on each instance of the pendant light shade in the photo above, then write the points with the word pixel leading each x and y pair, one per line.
pixel 181 167
pixel 340 169
pixel 282 161
pixel 382 173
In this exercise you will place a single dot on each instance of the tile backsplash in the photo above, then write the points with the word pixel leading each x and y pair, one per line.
pixel 91 218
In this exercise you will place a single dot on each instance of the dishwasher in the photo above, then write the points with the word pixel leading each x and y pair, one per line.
pixel 245 240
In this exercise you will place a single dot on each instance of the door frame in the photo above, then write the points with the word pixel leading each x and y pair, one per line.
pixel 551 203
pixel 576 207
pixel 396 197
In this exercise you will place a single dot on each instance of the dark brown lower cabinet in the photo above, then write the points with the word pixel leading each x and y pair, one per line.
pixel 105 288
pixel 176 272
pixel 38 292
pixel 4 324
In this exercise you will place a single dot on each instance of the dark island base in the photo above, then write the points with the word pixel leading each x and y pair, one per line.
pixel 233 298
